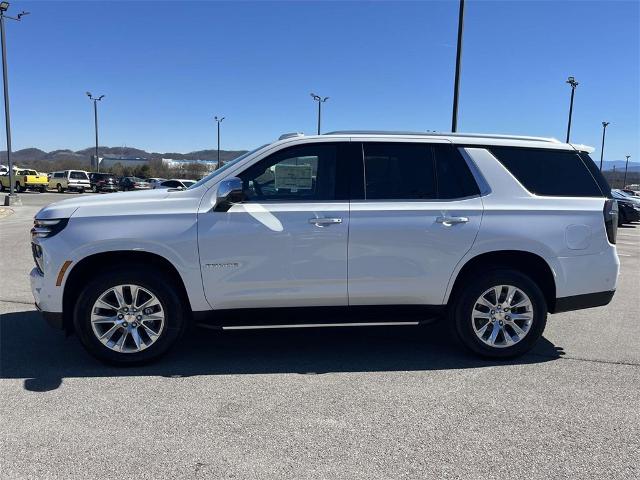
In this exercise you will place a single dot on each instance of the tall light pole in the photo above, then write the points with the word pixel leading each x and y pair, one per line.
pixel 571 81
pixel 219 121
pixel 626 167
pixel 456 82
pixel 95 101
pixel 12 198
pixel 604 129
pixel 320 101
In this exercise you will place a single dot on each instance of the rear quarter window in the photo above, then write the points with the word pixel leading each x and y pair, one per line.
pixel 559 173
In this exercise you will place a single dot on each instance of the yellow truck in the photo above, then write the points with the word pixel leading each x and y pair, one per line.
pixel 25 179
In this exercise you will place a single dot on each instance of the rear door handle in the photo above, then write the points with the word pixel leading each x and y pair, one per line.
pixel 448 221
pixel 323 222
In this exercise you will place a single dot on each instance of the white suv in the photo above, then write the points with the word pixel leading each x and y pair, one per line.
pixel 493 232
pixel 72 180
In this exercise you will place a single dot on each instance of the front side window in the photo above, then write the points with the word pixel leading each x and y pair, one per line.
pixel 305 172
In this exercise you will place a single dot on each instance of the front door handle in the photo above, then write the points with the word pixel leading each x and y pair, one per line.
pixel 323 222
pixel 448 221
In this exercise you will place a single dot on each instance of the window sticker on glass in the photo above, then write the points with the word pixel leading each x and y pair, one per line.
pixel 294 177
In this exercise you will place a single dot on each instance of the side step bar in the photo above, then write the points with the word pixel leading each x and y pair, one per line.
pixel 307 325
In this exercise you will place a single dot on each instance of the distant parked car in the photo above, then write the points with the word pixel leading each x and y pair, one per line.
pixel 25 179
pixel 633 193
pixel 103 182
pixel 175 183
pixel 133 183
pixel 156 181
pixel 72 180
pixel 628 207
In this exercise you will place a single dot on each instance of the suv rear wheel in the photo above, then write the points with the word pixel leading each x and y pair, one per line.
pixel 129 317
pixel 500 314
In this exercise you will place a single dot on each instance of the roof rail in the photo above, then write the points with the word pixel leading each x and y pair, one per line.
pixel 442 134
pixel 290 135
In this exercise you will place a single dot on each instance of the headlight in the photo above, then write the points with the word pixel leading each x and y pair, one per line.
pixel 48 228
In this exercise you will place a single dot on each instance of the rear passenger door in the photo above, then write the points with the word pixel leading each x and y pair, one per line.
pixel 415 212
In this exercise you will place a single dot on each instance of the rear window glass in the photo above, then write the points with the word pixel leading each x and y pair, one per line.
pixel 78 175
pixel 549 172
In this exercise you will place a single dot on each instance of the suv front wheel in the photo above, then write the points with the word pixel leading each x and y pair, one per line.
pixel 129 317
pixel 500 314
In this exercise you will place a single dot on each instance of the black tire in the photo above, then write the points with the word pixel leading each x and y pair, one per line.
pixel 19 188
pixel 59 188
pixel 81 191
pixel 465 300
pixel 1 187
pixel 42 189
pixel 94 188
pixel 156 282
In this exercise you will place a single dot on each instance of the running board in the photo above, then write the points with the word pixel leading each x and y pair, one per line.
pixel 308 325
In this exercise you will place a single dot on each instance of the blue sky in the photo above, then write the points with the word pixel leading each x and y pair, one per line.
pixel 168 68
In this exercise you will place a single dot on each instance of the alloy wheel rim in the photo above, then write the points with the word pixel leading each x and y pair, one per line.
pixel 127 318
pixel 502 316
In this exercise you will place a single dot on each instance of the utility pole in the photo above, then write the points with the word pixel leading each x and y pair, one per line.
pixel 95 122
pixel 571 81
pixel 604 129
pixel 626 167
pixel 320 101
pixel 456 82
pixel 12 198
pixel 219 121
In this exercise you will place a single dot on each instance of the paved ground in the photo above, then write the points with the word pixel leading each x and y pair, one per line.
pixel 340 403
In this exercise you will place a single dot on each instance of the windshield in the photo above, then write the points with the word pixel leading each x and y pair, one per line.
pixel 227 165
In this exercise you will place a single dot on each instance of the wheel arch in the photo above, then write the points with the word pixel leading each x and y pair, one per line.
pixel 525 262
pixel 82 271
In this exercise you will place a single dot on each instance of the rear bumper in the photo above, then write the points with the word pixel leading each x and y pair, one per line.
pixel 579 302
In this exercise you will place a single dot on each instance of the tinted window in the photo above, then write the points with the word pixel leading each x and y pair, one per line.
pixel 170 184
pixel 455 180
pixel 306 172
pixel 58 175
pixel 605 188
pixel 398 171
pixel 548 172
pixel 78 175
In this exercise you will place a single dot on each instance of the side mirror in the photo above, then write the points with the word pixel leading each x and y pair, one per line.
pixel 229 192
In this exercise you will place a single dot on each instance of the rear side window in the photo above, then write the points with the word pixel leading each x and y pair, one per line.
pixel 455 180
pixel 398 171
pixel 413 171
pixel 559 173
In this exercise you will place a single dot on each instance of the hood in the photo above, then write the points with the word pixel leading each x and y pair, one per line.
pixel 114 202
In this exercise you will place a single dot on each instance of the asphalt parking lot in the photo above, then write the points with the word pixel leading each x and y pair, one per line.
pixel 373 403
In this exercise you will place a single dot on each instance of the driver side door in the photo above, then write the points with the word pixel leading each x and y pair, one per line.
pixel 285 245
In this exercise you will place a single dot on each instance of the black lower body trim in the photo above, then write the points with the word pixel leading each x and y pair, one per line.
pixel 578 302
pixel 318 315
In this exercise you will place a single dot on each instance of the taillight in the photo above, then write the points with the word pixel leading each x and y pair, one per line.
pixel 25 179
pixel 610 213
